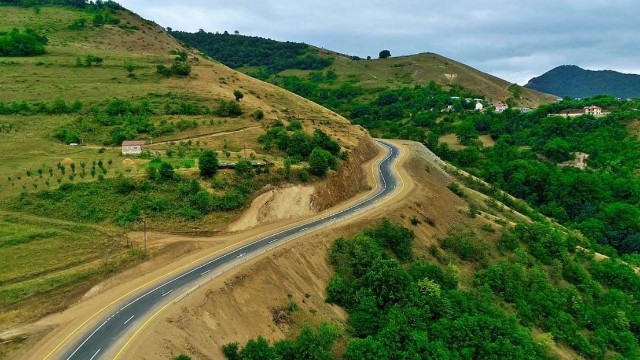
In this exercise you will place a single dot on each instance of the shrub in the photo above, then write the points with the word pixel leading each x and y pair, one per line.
pixel 181 68
pixel 258 114
pixel 208 163
pixel 66 135
pixel 229 109
pixel 78 24
pixel 163 70
pixel 466 245
pixel 319 161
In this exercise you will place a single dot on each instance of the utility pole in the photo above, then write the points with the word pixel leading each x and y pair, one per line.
pixel 145 233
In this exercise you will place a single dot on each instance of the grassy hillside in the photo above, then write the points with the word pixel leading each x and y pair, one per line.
pixel 423 68
pixel 98 83
pixel 264 58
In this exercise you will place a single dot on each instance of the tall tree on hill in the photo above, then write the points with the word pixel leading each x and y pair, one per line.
pixel 208 162
pixel 384 54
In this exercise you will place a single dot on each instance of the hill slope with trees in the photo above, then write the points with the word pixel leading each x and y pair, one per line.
pixel 270 60
pixel 573 81
pixel 78 80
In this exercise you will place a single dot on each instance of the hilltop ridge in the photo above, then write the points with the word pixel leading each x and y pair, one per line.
pixel 277 58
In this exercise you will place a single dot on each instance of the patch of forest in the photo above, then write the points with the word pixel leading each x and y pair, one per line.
pixel 402 306
pixel 267 56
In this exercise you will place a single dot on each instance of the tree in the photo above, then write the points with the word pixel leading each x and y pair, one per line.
pixel 238 95
pixel 319 161
pixel 557 150
pixel 466 132
pixel 166 171
pixel 181 68
pixel 287 168
pixel 384 54
pixel 208 163
pixel 244 169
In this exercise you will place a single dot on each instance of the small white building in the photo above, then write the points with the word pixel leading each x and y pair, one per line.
pixel 593 110
pixel 132 147
pixel 479 106
pixel 500 107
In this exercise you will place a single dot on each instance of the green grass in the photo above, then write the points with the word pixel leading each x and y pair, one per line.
pixel 31 248
pixel 40 260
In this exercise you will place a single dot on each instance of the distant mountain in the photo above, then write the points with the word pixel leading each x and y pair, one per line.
pixel 573 81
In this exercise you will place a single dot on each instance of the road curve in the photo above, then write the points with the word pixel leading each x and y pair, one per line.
pixel 98 342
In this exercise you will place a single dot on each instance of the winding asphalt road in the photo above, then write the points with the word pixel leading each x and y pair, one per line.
pixel 98 342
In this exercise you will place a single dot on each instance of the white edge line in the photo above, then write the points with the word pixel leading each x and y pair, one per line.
pixel 87 339
pixel 96 354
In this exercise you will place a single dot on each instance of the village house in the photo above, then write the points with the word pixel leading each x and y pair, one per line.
pixel 132 147
pixel 479 106
pixel 593 110
pixel 500 107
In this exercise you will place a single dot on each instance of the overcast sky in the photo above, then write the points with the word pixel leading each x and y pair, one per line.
pixel 513 39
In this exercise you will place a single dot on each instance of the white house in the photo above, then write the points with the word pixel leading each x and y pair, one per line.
pixel 479 106
pixel 593 110
pixel 500 107
pixel 132 147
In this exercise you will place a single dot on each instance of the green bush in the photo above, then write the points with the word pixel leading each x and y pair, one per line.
pixel 208 163
pixel 180 68
pixel 22 43
pixel 319 162
pixel 466 245
pixel 67 136
pixel 228 109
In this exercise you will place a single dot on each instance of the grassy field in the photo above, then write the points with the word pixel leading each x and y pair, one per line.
pixel 43 260
pixel 47 264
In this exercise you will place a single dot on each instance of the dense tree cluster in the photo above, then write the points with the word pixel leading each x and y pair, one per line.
pixel 319 149
pixel 529 147
pixel 117 119
pixel 266 56
pixel 401 307
pixel 602 201
pixel 22 43
pixel 122 200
